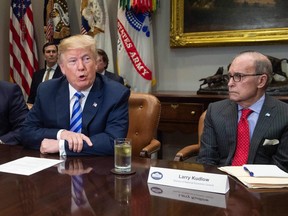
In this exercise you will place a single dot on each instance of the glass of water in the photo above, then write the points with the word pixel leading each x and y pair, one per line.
pixel 122 155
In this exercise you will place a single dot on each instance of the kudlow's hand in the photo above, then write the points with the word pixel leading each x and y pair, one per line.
pixel 49 146
pixel 75 140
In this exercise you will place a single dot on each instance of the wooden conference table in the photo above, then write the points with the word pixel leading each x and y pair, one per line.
pixel 49 192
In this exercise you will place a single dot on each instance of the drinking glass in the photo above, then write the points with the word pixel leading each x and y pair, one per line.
pixel 122 155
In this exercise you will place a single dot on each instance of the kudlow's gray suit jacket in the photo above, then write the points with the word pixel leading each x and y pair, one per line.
pixel 218 142
pixel 105 115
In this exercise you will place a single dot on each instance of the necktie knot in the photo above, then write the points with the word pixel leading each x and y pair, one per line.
pixel 246 113
pixel 78 95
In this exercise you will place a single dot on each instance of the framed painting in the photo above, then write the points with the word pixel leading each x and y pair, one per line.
pixel 197 23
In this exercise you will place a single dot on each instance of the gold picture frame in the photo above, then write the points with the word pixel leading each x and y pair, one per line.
pixel 179 38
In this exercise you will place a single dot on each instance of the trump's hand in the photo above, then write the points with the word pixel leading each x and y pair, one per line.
pixel 75 140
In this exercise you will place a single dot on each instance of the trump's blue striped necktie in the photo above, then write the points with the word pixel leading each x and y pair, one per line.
pixel 76 117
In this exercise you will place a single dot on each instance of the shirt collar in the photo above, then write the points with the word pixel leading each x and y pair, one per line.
pixel 72 91
pixel 102 72
pixel 53 67
pixel 257 106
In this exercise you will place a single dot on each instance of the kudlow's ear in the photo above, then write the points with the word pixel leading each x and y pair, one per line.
pixel 263 81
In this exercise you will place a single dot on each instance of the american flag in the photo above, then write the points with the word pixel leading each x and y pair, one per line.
pixel 23 51
pixel 49 30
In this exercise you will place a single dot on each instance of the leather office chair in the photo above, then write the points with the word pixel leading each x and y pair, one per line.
pixel 144 116
pixel 192 150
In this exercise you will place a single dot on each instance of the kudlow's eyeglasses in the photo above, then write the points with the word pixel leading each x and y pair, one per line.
pixel 237 77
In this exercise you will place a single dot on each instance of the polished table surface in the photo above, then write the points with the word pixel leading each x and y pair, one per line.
pixel 49 192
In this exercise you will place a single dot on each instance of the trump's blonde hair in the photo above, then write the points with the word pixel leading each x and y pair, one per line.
pixel 77 42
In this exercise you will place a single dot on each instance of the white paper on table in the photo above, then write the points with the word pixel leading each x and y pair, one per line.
pixel 266 170
pixel 274 181
pixel 28 165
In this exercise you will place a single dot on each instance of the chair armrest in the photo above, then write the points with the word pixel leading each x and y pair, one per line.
pixel 153 147
pixel 187 152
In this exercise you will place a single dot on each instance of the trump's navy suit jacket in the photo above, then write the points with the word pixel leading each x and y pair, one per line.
pixel 105 115
pixel 218 143
pixel 37 79
pixel 13 111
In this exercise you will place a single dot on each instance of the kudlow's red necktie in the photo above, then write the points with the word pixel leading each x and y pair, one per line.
pixel 243 140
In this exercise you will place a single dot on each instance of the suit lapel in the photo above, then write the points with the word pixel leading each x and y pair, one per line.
pixel 41 75
pixel 92 104
pixel 231 129
pixel 266 116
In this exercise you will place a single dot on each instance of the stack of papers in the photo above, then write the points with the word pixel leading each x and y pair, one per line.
pixel 258 175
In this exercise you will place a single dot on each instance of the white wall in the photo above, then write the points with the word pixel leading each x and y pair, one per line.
pixel 176 69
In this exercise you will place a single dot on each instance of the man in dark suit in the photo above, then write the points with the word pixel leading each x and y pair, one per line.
pixel 249 76
pixel 52 70
pixel 13 111
pixel 103 106
pixel 102 65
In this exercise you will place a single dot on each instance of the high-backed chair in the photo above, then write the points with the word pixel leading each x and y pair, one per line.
pixel 144 116
pixel 192 150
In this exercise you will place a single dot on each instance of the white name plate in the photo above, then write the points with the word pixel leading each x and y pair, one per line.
pixel 186 195
pixel 216 183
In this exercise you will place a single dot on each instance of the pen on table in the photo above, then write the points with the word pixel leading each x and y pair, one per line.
pixel 247 170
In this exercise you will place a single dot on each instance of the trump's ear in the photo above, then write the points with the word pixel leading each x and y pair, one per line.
pixel 62 69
